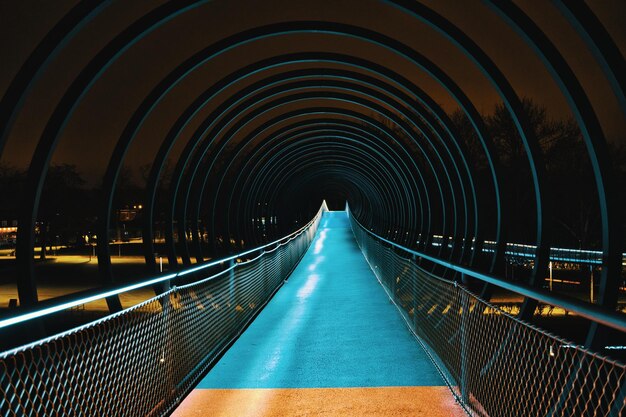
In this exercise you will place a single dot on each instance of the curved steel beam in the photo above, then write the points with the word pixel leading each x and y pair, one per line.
pixel 167 145
pixel 281 154
pixel 258 161
pixel 402 111
pixel 600 43
pixel 27 290
pixel 595 142
pixel 40 59
pixel 520 118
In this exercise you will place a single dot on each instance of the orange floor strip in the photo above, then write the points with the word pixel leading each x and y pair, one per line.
pixel 339 402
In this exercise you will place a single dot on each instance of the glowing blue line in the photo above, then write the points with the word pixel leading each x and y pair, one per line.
pixel 589 311
pixel 70 304
pixel 55 309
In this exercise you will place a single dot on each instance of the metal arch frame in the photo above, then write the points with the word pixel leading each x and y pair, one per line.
pixel 318 128
pixel 595 143
pixel 600 191
pixel 599 42
pixel 240 125
pixel 277 144
pixel 179 169
pixel 354 174
pixel 275 121
pixel 389 115
pixel 338 166
pixel 466 107
pixel 40 58
pixel 424 98
pixel 535 159
pixel 282 119
pixel 430 71
pixel 319 157
pixel 452 189
pixel 317 139
pixel 77 90
pixel 27 289
pixel 435 109
pixel 308 132
pixel 308 124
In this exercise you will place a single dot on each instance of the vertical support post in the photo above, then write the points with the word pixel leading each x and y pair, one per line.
pixel 463 330
pixel 550 265
pixel 591 284
pixel 231 283
pixel 160 264
pixel 414 259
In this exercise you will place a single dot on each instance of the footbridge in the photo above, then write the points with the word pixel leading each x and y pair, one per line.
pixel 330 320
pixel 294 207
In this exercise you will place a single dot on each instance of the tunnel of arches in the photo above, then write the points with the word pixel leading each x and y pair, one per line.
pixel 248 129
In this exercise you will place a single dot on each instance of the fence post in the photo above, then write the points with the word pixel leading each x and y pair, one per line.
pixel 415 294
pixel 464 317
pixel 231 283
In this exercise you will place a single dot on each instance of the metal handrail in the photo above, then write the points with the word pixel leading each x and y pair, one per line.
pixel 586 310
pixel 142 361
pixel 40 312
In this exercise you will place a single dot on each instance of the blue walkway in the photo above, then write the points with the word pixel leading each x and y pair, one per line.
pixel 330 326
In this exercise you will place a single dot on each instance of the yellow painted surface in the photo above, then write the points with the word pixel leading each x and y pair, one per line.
pixel 362 402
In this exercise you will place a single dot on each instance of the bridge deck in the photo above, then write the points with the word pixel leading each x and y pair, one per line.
pixel 329 343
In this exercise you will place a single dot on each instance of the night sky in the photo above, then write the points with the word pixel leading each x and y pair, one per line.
pixel 101 116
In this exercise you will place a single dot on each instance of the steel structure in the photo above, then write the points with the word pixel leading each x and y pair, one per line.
pixel 330 122
pixel 144 360
pixel 496 365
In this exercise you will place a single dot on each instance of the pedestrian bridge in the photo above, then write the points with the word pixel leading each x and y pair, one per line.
pixel 330 320
pixel 329 342
pixel 239 118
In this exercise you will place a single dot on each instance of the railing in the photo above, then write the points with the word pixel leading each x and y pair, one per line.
pixel 523 251
pixel 495 364
pixel 143 360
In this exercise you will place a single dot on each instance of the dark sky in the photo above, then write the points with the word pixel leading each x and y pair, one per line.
pixel 102 114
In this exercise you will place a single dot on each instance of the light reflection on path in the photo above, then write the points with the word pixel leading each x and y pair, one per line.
pixel 330 325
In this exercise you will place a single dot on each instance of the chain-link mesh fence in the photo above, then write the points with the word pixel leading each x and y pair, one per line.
pixel 142 361
pixel 495 364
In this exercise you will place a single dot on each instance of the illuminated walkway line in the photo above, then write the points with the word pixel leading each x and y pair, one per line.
pixel 329 341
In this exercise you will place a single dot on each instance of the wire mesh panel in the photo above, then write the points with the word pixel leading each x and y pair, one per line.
pixel 142 361
pixel 495 364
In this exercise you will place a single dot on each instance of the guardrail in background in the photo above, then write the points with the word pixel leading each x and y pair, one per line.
pixel 520 250
pixel 496 364
pixel 143 360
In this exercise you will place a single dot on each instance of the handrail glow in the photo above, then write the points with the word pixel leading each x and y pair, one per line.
pixel 64 306
pixel 586 310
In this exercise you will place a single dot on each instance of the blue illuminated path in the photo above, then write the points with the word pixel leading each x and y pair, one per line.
pixel 331 326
